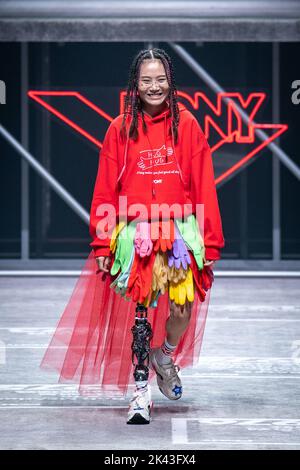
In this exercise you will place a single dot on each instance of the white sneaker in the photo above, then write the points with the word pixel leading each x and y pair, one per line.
pixel 140 407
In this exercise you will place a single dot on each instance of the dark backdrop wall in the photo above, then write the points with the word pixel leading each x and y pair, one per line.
pixel 100 71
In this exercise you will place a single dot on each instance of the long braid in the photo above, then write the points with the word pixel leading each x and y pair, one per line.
pixel 133 104
pixel 173 93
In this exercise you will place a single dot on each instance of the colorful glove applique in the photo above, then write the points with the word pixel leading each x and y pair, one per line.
pixel 140 279
pixel 124 249
pixel 203 279
pixel 189 231
pixel 116 231
pixel 176 275
pixel 162 234
pixel 142 241
pixel 121 281
pixel 160 273
pixel 179 255
pixel 182 291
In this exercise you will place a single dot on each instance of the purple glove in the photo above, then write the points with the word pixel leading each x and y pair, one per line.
pixel 142 240
pixel 179 254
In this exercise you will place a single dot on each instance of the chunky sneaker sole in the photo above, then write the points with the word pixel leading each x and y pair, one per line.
pixel 167 377
pixel 140 417
pixel 140 408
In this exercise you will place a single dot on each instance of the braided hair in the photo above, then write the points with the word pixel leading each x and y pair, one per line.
pixel 133 104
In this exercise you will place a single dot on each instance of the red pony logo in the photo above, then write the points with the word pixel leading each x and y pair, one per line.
pixel 213 124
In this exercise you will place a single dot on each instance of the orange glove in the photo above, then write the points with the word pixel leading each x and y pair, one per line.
pixel 162 233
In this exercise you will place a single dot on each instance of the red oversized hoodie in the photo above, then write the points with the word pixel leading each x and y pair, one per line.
pixel 153 169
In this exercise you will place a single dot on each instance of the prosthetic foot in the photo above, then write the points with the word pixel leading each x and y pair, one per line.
pixel 140 405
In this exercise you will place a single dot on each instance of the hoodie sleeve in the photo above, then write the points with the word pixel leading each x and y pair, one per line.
pixel 203 191
pixel 104 193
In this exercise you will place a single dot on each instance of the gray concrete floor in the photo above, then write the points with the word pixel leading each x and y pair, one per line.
pixel 244 394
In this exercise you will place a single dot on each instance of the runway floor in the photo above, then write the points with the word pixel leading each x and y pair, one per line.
pixel 244 394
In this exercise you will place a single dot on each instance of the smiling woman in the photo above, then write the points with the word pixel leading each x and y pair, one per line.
pixel 156 270
pixel 153 87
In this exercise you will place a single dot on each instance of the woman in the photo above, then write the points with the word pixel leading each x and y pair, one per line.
pixel 152 243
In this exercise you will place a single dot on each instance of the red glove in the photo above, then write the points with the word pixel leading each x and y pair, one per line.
pixel 140 278
pixel 162 234
pixel 203 279
pixel 207 277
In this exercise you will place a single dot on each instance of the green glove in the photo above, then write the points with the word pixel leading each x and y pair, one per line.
pixel 121 281
pixel 124 248
pixel 190 233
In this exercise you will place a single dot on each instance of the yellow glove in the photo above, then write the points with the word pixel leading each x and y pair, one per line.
pixel 160 273
pixel 183 290
pixel 116 231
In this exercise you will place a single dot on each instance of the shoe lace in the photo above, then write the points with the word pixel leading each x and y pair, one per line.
pixel 172 370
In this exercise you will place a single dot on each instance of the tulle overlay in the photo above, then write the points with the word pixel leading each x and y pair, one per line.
pixel 91 345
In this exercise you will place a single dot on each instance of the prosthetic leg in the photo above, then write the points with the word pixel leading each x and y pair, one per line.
pixel 140 405
pixel 142 335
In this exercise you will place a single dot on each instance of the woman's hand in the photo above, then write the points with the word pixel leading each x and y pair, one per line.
pixel 209 262
pixel 103 263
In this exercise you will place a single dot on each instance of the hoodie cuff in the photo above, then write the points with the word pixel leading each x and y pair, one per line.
pixel 212 253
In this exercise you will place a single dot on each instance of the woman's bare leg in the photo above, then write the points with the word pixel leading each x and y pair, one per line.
pixel 161 358
pixel 178 321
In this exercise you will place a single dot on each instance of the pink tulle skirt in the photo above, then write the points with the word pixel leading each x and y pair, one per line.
pixel 91 345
